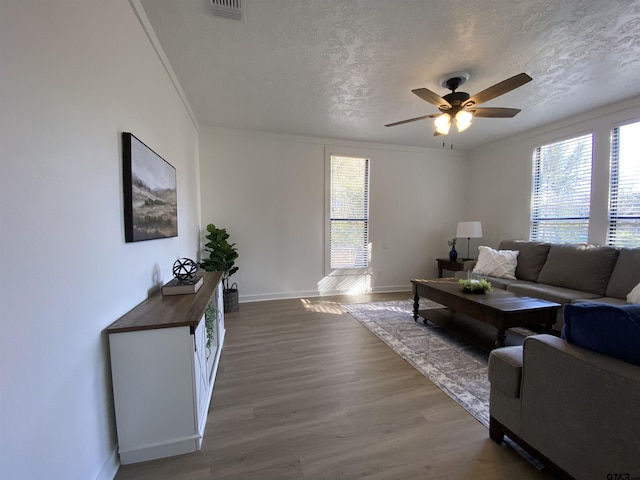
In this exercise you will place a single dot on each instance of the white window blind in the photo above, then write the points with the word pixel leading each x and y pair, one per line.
pixel 349 213
pixel 561 191
pixel 624 188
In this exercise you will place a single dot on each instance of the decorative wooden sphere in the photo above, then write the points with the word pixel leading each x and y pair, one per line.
pixel 184 269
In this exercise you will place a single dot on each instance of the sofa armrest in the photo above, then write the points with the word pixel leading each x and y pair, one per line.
pixel 469 264
pixel 539 345
pixel 505 370
pixel 580 408
pixel 467 268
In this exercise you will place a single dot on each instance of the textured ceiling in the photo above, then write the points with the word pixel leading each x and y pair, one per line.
pixel 345 68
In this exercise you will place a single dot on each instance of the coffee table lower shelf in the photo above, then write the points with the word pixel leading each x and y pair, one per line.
pixel 470 330
pixel 468 314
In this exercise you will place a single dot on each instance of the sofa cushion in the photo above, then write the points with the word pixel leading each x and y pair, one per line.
pixel 550 293
pixel 607 329
pixel 500 283
pixel 505 370
pixel 579 267
pixel 626 273
pixel 530 259
pixel 607 300
pixel 496 263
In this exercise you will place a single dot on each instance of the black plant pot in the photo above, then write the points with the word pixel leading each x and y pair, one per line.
pixel 453 254
pixel 230 297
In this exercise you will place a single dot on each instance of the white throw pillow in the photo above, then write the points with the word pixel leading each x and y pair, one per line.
pixel 634 295
pixel 496 263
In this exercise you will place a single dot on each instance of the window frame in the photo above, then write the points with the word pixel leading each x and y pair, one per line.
pixel 614 187
pixel 536 218
pixel 345 153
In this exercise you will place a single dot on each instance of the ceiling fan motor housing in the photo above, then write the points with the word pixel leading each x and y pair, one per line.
pixel 456 99
pixel 453 81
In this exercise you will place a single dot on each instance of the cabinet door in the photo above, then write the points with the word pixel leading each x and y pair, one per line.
pixel 220 326
pixel 200 374
pixel 153 387
pixel 212 349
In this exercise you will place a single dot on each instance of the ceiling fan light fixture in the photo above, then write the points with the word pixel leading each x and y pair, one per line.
pixel 443 123
pixel 463 120
pixel 455 105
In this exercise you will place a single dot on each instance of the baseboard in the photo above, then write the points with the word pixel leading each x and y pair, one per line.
pixel 316 293
pixel 109 467
pixel 175 446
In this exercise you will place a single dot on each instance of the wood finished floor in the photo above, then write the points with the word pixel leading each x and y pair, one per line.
pixel 305 392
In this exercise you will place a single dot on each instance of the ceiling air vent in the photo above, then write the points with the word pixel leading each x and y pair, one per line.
pixel 227 8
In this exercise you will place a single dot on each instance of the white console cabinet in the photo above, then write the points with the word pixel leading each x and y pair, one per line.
pixel 163 373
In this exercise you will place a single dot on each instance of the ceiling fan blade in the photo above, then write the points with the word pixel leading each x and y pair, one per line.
pixel 432 98
pixel 498 89
pixel 496 112
pixel 433 115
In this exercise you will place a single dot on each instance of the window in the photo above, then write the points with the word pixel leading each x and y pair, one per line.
pixel 561 191
pixel 349 213
pixel 624 188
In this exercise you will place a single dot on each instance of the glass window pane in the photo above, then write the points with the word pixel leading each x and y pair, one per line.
pixel 561 191
pixel 349 212
pixel 624 188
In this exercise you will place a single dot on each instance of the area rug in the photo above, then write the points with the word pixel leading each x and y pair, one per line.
pixel 456 367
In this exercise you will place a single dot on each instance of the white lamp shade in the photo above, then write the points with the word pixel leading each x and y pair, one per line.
pixel 443 123
pixel 469 230
pixel 463 120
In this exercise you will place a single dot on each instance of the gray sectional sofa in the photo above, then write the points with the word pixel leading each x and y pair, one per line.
pixel 566 273
pixel 575 409
pixel 574 402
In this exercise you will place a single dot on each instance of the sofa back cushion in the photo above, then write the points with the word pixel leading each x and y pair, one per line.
pixel 580 267
pixel 626 273
pixel 530 259
pixel 608 329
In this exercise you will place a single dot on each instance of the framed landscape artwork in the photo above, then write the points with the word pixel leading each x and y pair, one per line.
pixel 150 197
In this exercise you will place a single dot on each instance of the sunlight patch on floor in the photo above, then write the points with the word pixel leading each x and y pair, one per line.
pixel 355 284
pixel 322 306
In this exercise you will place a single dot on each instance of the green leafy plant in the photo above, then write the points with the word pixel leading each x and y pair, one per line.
pixel 222 254
pixel 452 242
pixel 475 285
pixel 210 315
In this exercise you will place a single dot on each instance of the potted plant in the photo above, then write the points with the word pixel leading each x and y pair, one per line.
pixel 222 258
pixel 475 285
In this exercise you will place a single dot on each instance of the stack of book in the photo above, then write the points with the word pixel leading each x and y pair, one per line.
pixel 180 287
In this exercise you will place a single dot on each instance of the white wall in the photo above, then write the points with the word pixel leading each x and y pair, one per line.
pixel 268 192
pixel 500 174
pixel 74 75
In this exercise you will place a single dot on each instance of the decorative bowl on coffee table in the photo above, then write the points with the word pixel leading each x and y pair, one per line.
pixel 475 285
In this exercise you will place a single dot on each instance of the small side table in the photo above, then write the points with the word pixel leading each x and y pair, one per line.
pixel 454 266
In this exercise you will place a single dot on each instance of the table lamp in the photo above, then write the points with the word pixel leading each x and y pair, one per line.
pixel 469 230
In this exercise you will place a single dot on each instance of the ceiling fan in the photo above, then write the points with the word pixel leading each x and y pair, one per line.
pixel 462 107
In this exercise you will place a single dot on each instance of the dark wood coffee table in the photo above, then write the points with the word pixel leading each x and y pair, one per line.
pixel 498 308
